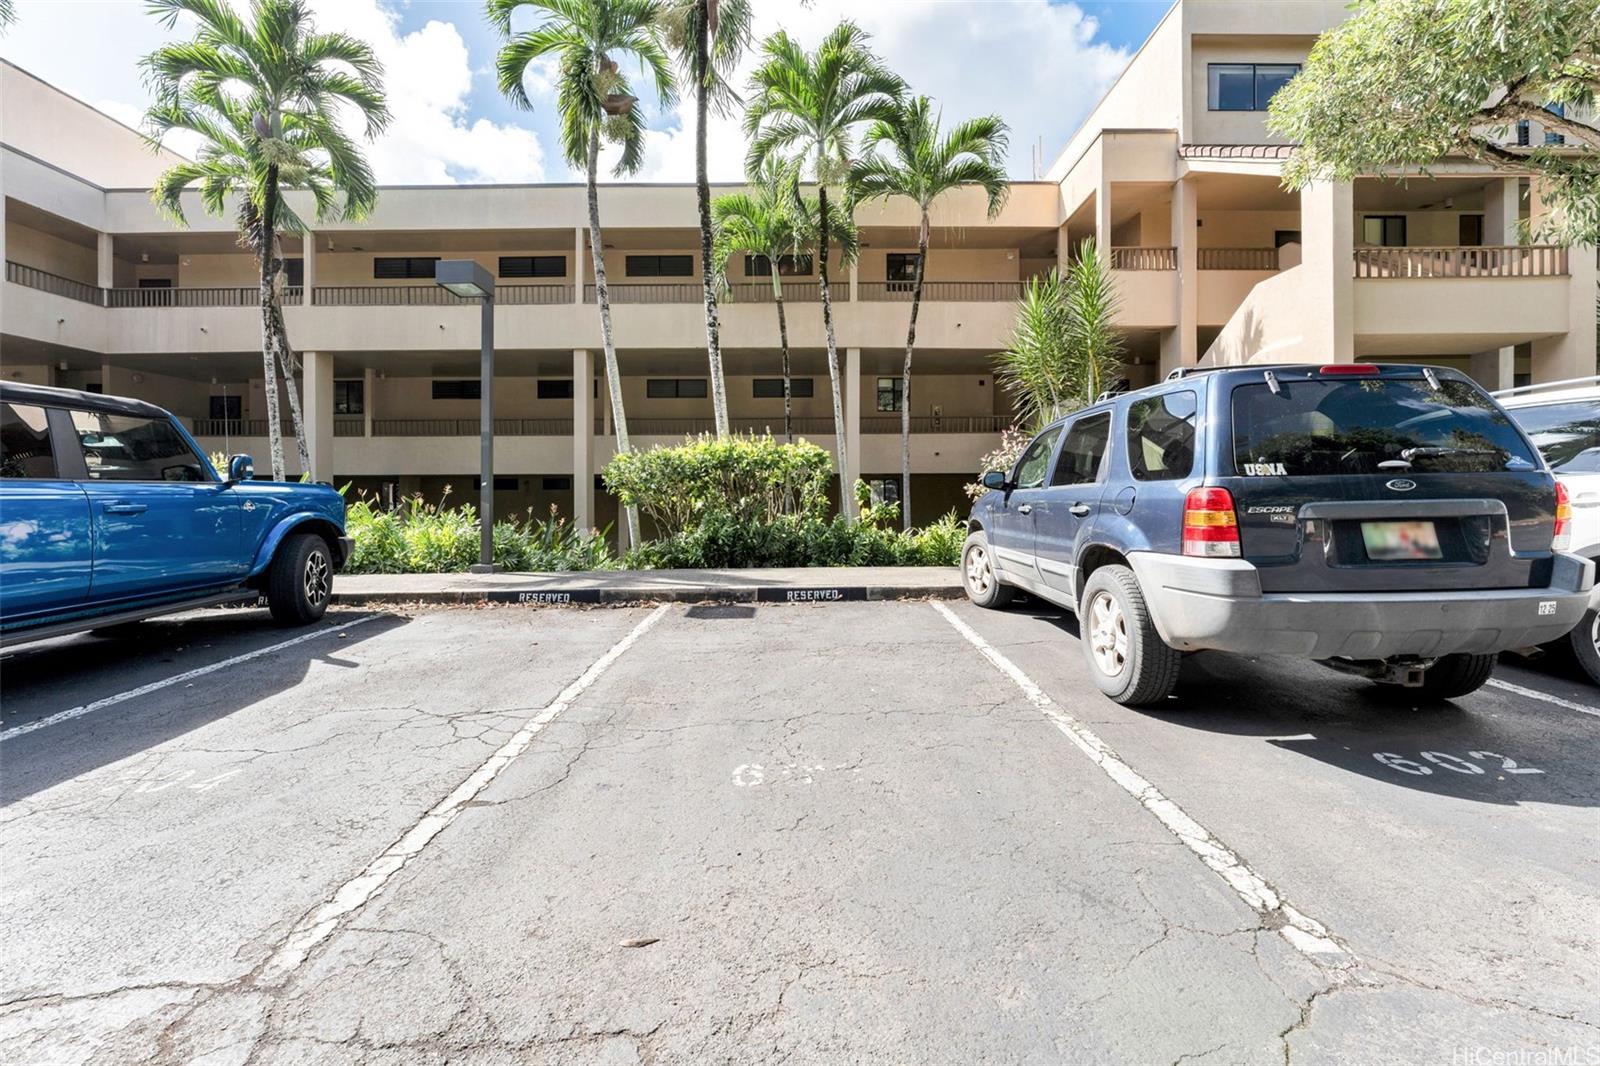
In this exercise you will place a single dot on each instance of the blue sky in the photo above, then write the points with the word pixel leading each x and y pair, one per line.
pixel 1040 64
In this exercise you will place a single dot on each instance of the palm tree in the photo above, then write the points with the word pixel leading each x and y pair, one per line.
pixel 264 93
pixel 8 14
pixel 908 155
pixel 805 108
pixel 588 37
pixel 768 223
pixel 708 37
pixel 1095 346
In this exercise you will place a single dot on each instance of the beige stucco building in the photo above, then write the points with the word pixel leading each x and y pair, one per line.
pixel 1174 172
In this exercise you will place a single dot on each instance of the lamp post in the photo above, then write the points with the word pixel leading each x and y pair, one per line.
pixel 467 279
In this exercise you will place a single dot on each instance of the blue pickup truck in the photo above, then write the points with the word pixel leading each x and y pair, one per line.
pixel 109 513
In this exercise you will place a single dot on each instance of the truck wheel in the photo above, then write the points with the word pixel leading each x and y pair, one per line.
pixel 1127 657
pixel 300 579
pixel 1456 675
pixel 1585 643
pixel 977 574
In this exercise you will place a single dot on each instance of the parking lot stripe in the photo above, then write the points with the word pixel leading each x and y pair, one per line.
pixel 354 894
pixel 1304 933
pixel 188 675
pixel 1535 694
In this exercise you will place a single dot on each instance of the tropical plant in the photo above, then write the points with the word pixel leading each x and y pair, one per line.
pixel 771 223
pixel 423 538
pixel 909 155
pixel 587 37
pixel 805 109
pixel 708 37
pixel 1004 457
pixel 1095 345
pixel 1402 84
pixel 8 14
pixel 264 91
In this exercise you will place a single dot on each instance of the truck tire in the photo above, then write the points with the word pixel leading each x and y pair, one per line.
pixel 300 580
pixel 1127 657
pixel 978 576
pixel 1585 643
pixel 1456 675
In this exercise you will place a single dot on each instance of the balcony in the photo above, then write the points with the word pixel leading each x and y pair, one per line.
pixel 1140 258
pixel 434 296
pixel 1493 261
pixel 1237 258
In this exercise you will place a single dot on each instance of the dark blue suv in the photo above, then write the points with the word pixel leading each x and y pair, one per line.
pixel 109 512
pixel 1388 521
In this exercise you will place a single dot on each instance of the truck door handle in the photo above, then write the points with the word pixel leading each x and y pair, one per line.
pixel 1079 509
pixel 1026 508
pixel 121 507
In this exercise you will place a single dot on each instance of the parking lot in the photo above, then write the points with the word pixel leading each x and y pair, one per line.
pixel 906 831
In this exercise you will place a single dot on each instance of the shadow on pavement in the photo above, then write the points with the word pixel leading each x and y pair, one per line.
pixel 1508 751
pixel 44 679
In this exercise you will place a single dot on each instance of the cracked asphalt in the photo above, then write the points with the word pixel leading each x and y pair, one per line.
pixel 816 834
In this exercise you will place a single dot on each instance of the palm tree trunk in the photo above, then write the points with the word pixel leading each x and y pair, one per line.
pixel 719 386
pixel 602 297
pixel 783 345
pixel 289 365
pixel 269 335
pixel 905 381
pixel 846 495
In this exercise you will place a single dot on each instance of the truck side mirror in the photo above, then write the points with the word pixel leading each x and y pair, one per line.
pixel 994 479
pixel 241 468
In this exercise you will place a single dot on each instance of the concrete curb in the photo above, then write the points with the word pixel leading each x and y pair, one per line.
pixel 649 594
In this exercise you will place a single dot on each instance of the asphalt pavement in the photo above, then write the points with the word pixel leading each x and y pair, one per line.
pixel 837 832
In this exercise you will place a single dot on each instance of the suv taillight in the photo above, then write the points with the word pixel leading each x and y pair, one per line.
pixel 1562 541
pixel 1209 525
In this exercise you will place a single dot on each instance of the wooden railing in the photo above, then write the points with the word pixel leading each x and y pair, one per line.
pixel 1132 258
pixel 1238 258
pixel 673 293
pixel 533 294
pixel 232 296
pixel 468 427
pixel 45 281
pixel 940 291
pixel 942 424
pixel 349 426
pixel 1493 261
pixel 237 427
pixel 760 292
pixel 387 296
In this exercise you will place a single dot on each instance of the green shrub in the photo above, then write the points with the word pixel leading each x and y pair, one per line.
pixel 721 542
pixel 421 538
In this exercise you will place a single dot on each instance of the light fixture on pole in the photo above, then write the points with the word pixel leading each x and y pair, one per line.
pixel 467 279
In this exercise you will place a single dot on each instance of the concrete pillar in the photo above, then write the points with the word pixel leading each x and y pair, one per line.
pixel 1494 369
pixel 1501 207
pixel 852 425
pixel 308 263
pixel 1327 227
pixel 578 275
pixel 105 262
pixel 1571 354
pixel 855 283
pixel 1102 218
pixel 369 390
pixel 582 438
pixel 1179 345
pixel 318 411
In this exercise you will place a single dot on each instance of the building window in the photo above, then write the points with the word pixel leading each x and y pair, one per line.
pixel 1551 137
pixel 675 388
pixel 1281 237
pixel 1245 86
pixel 1522 133
pixel 501 484
pixel 772 388
pixel 294 273
pixel 386 268
pixel 759 266
pixel 469 389
pixel 226 408
pixel 901 266
pixel 891 394
pixel 660 266
pixel 155 283
pixel 1388 231
pixel 884 489
pixel 349 397
pixel 1470 231
pixel 556 483
pixel 533 266
pixel 554 389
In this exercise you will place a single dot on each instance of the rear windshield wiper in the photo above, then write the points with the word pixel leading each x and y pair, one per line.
pixel 1409 454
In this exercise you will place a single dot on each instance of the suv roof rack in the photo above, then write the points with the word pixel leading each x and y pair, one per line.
pixel 1186 371
pixel 1592 379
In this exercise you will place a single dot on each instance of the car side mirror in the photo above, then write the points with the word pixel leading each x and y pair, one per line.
pixel 994 479
pixel 241 468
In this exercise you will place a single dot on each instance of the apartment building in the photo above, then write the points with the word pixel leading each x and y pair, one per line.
pixel 1174 172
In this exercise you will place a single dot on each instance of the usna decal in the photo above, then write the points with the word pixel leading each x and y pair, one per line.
pixel 1264 470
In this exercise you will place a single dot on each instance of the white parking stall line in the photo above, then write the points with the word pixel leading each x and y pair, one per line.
pixel 1535 694
pixel 354 894
pixel 1304 933
pixel 188 675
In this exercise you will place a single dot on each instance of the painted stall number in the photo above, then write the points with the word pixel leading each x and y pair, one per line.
pixel 143 784
pixel 1456 763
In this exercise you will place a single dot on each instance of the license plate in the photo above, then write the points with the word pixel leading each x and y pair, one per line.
pixel 1390 541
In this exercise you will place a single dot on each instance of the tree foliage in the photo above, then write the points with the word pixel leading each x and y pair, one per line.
pixel 1403 84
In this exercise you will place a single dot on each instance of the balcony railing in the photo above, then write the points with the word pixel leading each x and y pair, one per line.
pixel 386 296
pixel 760 292
pixel 533 294
pixel 349 426
pixel 1495 261
pixel 355 426
pixel 1238 258
pixel 674 293
pixel 237 296
pixel 237 427
pixel 1131 258
pixel 45 281
pixel 941 424
pixel 468 427
pixel 940 291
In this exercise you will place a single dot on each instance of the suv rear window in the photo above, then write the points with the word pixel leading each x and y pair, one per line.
pixel 1351 426
pixel 1567 433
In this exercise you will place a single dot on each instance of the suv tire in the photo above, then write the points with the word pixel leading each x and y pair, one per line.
pixel 1127 657
pixel 1585 643
pixel 1456 675
pixel 300 580
pixel 977 574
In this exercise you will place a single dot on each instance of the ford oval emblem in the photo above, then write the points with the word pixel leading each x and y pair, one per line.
pixel 1400 484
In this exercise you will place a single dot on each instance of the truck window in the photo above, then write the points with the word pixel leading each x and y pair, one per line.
pixel 1567 433
pixel 25 450
pixel 134 448
pixel 1083 451
pixel 1035 462
pixel 1161 436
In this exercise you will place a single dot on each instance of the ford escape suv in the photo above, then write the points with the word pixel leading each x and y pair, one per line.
pixel 1390 522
